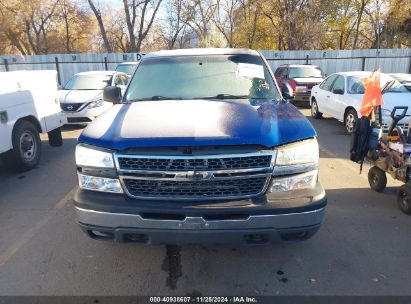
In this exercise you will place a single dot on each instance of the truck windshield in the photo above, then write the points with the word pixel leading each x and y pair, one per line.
pixel 88 82
pixel 202 77
pixel 306 72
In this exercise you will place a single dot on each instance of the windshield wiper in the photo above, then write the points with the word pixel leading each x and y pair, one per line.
pixel 156 97
pixel 224 96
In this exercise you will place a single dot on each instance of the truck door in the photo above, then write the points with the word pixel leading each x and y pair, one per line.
pixel 46 100
pixel 7 86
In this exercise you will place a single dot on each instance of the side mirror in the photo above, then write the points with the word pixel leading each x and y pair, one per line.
pixel 287 91
pixel 338 91
pixel 112 94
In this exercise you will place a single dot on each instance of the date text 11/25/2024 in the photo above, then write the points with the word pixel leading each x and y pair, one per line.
pixel 203 299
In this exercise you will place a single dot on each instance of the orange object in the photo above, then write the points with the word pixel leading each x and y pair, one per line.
pixel 372 94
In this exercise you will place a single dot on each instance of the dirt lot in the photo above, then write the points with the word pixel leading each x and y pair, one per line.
pixel 363 247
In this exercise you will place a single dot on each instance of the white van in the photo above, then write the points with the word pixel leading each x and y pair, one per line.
pixel 28 106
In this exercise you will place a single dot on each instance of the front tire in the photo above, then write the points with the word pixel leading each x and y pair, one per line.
pixel 404 198
pixel 377 179
pixel 55 138
pixel 349 120
pixel 26 151
pixel 314 110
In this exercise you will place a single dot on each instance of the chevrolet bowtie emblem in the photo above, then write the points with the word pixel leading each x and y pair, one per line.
pixel 194 175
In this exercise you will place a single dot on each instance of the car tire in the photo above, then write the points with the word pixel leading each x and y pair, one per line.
pixel 26 151
pixel 377 179
pixel 314 110
pixel 404 198
pixel 349 120
pixel 55 138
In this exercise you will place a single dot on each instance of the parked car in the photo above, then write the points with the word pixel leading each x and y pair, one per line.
pixel 340 96
pixel 28 106
pixel 301 78
pixel 404 79
pixel 201 148
pixel 127 67
pixel 81 98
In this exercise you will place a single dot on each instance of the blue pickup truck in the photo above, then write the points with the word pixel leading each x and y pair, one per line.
pixel 202 147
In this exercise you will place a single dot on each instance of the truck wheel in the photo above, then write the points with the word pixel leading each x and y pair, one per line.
pixel 55 138
pixel 314 110
pixel 349 120
pixel 377 179
pixel 404 198
pixel 26 147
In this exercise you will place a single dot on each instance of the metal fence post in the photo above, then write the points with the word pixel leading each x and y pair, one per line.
pixel 56 60
pixel 105 63
pixel 409 67
pixel 306 59
pixel 6 64
pixel 363 64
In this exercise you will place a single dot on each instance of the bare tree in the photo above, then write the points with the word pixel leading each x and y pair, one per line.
pixel 175 23
pixel 358 21
pixel 97 14
pixel 138 17
pixel 200 14
pixel 37 20
pixel 249 12
pixel 224 18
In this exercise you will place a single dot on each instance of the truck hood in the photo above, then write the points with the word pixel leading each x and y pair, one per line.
pixel 79 96
pixel 197 123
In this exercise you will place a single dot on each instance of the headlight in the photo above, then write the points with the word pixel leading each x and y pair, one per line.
pixel 300 89
pixel 297 158
pixel 88 157
pixel 298 153
pixel 96 104
pixel 294 182
pixel 103 184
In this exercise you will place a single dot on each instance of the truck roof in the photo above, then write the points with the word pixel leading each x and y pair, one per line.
pixel 199 52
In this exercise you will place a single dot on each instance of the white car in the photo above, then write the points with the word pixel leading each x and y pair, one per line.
pixel 403 78
pixel 81 99
pixel 340 96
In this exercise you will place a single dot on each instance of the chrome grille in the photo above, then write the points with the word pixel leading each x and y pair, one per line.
pixel 196 189
pixel 71 107
pixel 205 177
pixel 182 164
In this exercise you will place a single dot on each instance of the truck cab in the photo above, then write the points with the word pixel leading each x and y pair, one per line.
pixel 201 148
pixel 28 107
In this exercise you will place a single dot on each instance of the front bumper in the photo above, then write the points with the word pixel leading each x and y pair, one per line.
pixel 302 97
pixel 262 220
pixel 86 115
